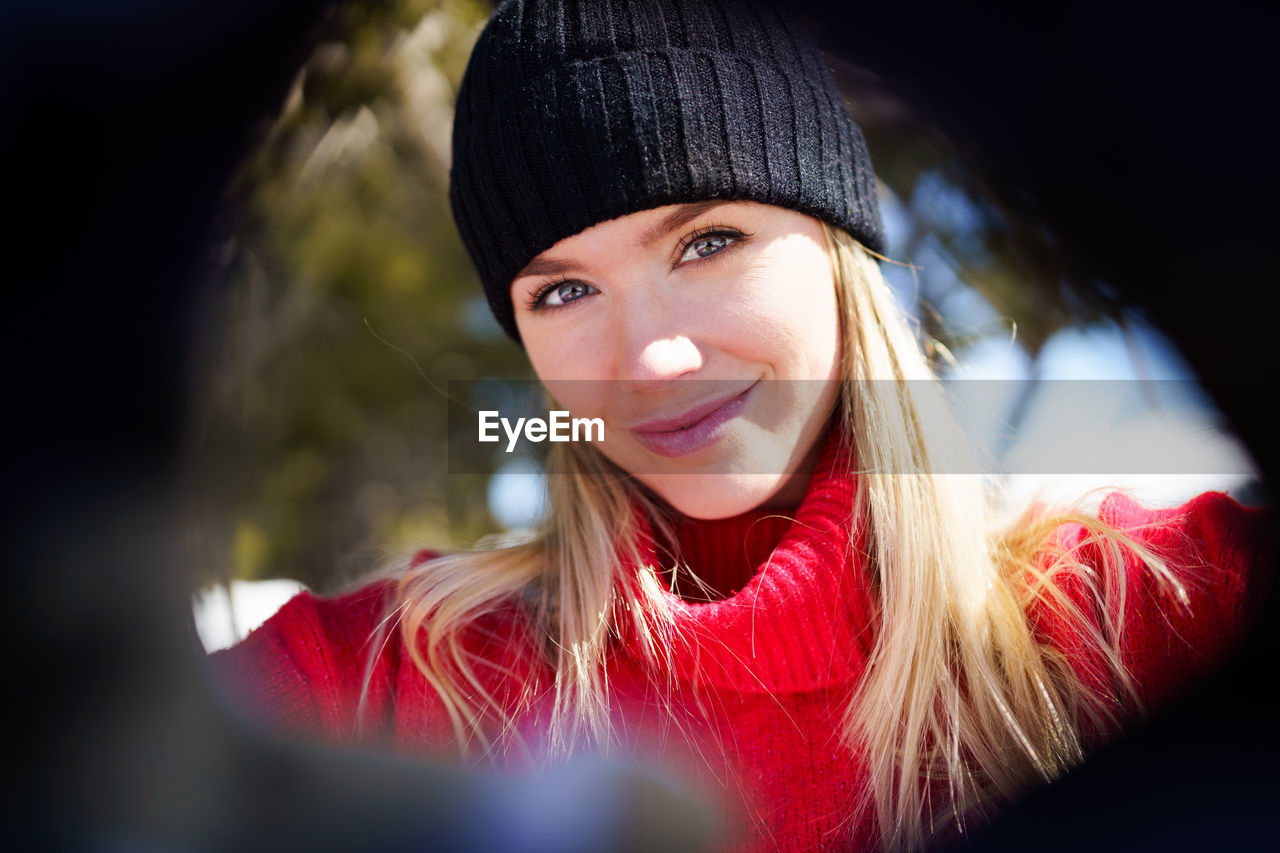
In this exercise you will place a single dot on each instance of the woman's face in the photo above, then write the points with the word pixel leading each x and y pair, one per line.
pixel 705 336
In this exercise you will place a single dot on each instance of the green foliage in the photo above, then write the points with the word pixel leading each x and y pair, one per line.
pixel 321 444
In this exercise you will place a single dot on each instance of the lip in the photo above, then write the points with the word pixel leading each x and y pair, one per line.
pixel 693 430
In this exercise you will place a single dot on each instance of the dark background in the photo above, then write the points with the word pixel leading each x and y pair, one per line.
pixel 1141 137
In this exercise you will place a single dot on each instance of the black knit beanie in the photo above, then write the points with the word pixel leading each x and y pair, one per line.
pixel 572 112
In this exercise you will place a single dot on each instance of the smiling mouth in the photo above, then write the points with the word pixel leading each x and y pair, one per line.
pixel 693 430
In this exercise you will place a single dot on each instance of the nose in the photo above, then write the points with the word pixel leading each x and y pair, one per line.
pixel 655 344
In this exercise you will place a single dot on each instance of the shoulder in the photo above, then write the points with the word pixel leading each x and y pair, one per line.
pixel 1175 593
pixel 338 667
pixel 1212 525
pixel 1213 547
pixel 304 668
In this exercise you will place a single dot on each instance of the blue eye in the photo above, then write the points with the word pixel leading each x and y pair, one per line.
pixel 560 294
pixel 708 243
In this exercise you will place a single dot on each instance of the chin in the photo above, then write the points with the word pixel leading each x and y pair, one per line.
pixel 715 496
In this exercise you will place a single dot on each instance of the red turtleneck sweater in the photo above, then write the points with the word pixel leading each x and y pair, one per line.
pixel 779 655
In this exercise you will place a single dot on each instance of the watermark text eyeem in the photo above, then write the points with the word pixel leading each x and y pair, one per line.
pixel 560 427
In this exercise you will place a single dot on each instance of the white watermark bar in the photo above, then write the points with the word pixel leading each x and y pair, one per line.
pixel 968 427
pixel 559 426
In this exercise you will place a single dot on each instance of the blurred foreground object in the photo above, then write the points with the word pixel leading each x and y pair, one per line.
pixel 123 124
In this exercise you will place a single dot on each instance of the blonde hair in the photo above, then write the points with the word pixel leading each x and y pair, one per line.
pixel 960 701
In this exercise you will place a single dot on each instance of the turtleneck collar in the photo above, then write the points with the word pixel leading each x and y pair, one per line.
pixel 725 553
pixel 795 609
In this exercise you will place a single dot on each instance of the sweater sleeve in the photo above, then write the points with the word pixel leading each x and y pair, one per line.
pixel 1172 632
pixel 304 669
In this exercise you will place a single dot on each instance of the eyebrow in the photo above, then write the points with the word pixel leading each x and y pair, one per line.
pixel 682 215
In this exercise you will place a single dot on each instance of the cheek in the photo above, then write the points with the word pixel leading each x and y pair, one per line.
pixel 564 351
pixel 582 398
pixel 787 316
pixel 571 367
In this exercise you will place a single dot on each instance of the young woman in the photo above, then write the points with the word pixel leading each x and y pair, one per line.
pixel 759 576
